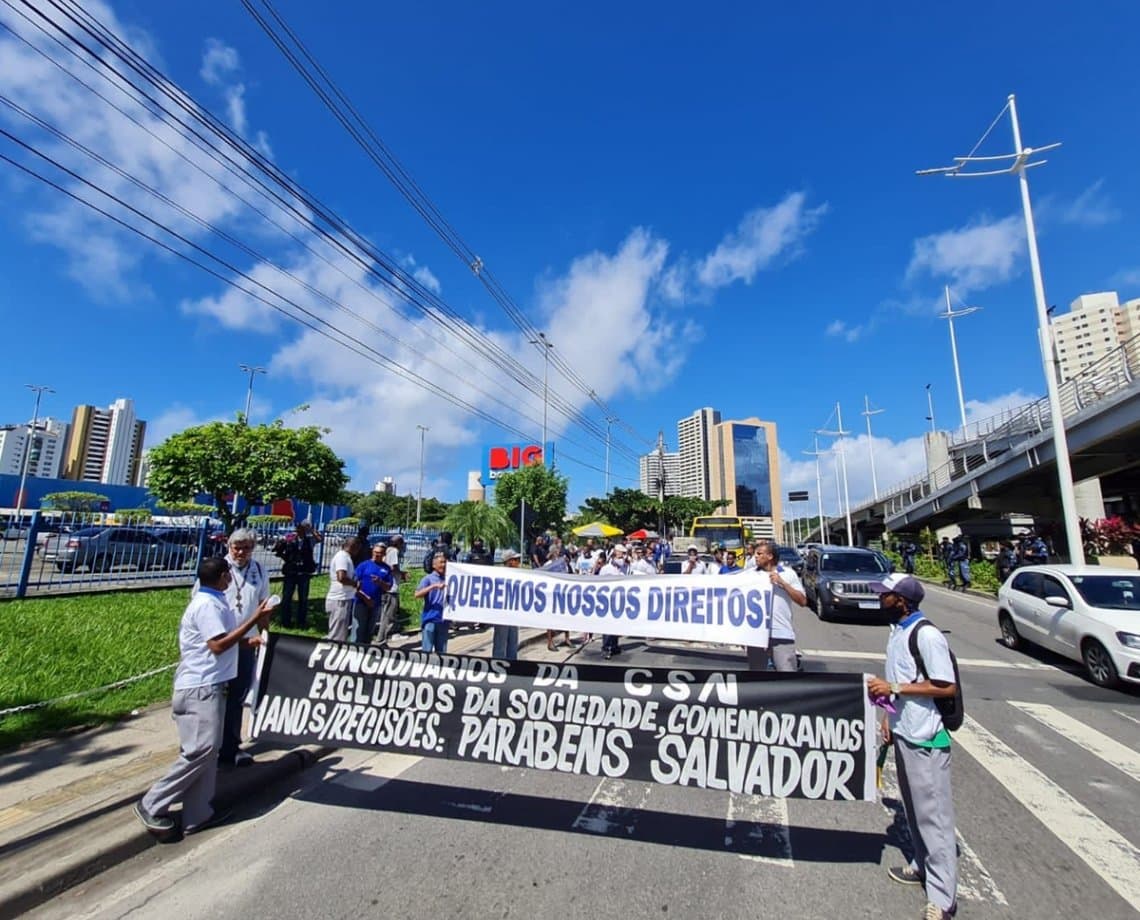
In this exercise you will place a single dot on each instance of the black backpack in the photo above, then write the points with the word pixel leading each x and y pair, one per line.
pixel 951 708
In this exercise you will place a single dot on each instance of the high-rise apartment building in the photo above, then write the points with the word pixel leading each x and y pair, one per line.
pixel 105 445
pixel 1094 326
pixel 693 438
pixel 651 467
pixel 46 448
pixel 745 471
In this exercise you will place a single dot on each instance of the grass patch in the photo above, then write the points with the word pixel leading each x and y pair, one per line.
pixel 54 646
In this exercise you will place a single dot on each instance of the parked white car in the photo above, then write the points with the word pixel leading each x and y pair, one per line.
pixel 1084 612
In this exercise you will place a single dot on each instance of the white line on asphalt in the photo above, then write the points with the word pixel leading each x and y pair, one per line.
pixel 1100 847
pixel 989 604
pixel 974 880
pixel 603 814
pixel 765 828
pixel 1107 749
pixel 962 662
pixel 1127 716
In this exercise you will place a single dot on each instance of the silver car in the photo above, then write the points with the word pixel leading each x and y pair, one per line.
pixel 103 548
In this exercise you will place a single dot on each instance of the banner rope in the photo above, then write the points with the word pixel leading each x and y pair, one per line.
pixel 28 707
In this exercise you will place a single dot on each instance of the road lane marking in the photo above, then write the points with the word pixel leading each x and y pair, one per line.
pixel 611 807
pixel 1096 844
pixel 1100 745
pixel 1127 716
pixel 974 880
pixel 962 662
pixel 988 603
pixel 756 823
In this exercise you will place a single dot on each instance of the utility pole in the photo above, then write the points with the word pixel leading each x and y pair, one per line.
pixel 930 408
pixel 39 390
pixel 1016 164
pixel 610 419
pixel 420 499
pixel 868 412
pixel 661 483
pixel 818 487
pixel 546 346
pixel 839 434
pixel 253 371
pixel 950 315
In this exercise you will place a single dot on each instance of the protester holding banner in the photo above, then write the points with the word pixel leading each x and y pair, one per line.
pixel 921 742
pixel 786 589
pixel 433 590
pixel 208 639
pixel 505 639
pixel 615 567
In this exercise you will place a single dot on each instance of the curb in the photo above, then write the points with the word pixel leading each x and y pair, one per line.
pixel 118 836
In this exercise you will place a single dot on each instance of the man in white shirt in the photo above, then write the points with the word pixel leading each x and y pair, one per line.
pixel 641 564
pixel 616 566
pixel 693 564
pixel 390 613
pixel 208 639
pixel 786 590
pixel 342 590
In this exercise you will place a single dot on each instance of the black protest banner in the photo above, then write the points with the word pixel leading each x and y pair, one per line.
pixel 785 735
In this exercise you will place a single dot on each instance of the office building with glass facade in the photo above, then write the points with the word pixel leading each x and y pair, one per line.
pixel 744 469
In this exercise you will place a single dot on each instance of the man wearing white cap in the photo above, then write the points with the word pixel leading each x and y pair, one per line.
pixel 693 564
pixel 921 742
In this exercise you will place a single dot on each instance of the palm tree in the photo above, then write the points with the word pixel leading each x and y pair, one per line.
pixel 468 520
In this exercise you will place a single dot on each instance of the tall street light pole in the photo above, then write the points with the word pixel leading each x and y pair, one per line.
pixel 253 371
pixel 420 497
pixel 610 419
pixel 39 390
pixel 1016 164
pixel 930 408
pixel 818 487
pixel 868 412
pixel 839 434
pixel 950 315
pixel 546 346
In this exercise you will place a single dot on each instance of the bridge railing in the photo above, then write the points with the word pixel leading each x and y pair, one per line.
pixel 1116 371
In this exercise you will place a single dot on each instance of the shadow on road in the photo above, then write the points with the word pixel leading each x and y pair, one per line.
pixel 487 806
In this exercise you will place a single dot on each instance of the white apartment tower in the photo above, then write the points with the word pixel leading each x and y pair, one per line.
pixel 1094 326
pixel 46 448
pixel 105 444
pixel 694 434
pixel 651 464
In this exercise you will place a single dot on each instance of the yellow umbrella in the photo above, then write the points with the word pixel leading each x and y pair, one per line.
pixel 597 529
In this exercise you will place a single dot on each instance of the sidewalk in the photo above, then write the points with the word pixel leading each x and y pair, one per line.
pixel 66 802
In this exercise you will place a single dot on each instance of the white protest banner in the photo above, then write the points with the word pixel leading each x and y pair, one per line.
pixel 731 609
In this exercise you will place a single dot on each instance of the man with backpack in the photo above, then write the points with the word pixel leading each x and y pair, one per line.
pixel 921 686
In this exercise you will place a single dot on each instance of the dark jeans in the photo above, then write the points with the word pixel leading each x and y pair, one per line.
pixel 235 696
pixel 300 583
pixel 611 644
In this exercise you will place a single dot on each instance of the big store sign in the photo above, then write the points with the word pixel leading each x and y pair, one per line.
pixel 500 459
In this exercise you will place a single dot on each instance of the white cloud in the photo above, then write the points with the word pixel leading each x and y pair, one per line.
pixel 219 62
pixel 850 333
pixel 983 253
pixel 763 236
pixel 978 410
pixel 1127 278
pixel 1091 208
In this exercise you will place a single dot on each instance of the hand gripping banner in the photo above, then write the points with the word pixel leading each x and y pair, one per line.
pixel 733 609
pixel 756 733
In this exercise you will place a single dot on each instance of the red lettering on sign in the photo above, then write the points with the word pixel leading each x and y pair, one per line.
pixel 499 458
pixel 531 455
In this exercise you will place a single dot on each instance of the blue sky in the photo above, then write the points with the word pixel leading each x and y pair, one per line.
pixel 711 206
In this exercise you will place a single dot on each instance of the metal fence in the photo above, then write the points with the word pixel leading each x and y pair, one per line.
pixel 46 553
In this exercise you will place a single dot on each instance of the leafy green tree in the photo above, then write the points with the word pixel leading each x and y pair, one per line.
pixel 262 462
pixel 384 509
pixel 544 492
pixel 188 508
pixel 73 501
pixel 627 509
pixel 468 520
pixel 680 511
pixel 133 515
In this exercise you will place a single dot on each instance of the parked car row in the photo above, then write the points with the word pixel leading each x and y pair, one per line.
pixel 104 548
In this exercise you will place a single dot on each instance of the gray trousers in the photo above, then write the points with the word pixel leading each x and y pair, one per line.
pixel 198 714
pixel 924 783
pixel 782 655
pixel 389 610
pixel 505 642
pixel 340 617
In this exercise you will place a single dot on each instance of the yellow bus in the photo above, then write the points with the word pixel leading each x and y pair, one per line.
pixel 727 532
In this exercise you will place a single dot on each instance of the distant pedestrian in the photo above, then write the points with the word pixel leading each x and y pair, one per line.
pixel 729 565
pixel 946 554
pixel 479 554
pixel 909 552
pixel 1036 550
pixel 342 590
pixel 432 590
pixel 556 561
pixel 642 564
pixel 611 644
pixel 208 639
pixel 373 578
pixel 921 743
pixel 693 564
pixel 390 614
pixel 960 560
pixel 505 639
pixel 298 563
pixel 1006 561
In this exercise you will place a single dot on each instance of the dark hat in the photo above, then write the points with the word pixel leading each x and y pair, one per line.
pixel 903 585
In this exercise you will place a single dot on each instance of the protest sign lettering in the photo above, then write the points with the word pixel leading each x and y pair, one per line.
pixel 756 733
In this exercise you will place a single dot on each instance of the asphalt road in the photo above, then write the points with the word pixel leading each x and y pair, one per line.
pixel 1045 774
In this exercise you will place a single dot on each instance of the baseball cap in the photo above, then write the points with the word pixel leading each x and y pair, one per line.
pixel 619 549
pixel 509 555
pixel 693 549
pixel 903 585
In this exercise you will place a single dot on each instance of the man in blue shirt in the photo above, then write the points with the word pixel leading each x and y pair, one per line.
pixel 373 580
pixel 433 590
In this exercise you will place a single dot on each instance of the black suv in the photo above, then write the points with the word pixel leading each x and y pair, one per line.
pixel 836 581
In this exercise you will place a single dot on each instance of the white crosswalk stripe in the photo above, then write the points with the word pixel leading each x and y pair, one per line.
pixel 1098 845
pixel 1107 749
pixel 609 809
pixel 759 824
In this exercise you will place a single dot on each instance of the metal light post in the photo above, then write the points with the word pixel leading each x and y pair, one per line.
pixel 950 315
pixel 546 346
pixel 839 434
pixel 930 408
pixel 39 390
pixel 420 497
pixel 253 371
pixel 868 412
pixel 1017 163
pixel 610 419
pixel 818 486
